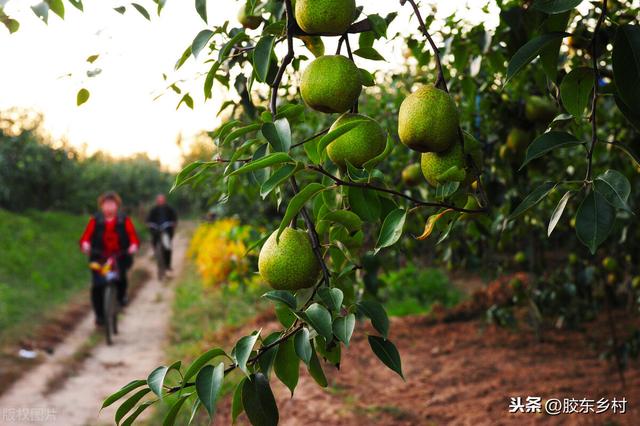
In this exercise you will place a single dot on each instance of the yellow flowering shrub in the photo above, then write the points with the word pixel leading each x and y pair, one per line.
pixel 218 249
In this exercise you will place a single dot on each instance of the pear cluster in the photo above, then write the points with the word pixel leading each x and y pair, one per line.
pixel 428 123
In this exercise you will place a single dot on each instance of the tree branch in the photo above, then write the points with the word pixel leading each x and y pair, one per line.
pixel 594 99
pixel 441 81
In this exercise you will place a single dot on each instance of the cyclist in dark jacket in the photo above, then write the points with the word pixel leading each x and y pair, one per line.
pixel 109 233
pixel 162 213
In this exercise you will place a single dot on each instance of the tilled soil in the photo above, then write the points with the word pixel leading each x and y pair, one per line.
pixel 461 373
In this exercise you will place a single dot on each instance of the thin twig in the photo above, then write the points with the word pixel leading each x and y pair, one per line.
pixel 594 99
pixel 415 201
pixel 312 137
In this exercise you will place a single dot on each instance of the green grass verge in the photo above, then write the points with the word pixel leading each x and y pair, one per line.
pixel 41 266
pixel 204 318
pixel 413 290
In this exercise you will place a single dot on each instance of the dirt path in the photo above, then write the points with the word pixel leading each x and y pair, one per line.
pixel 136 351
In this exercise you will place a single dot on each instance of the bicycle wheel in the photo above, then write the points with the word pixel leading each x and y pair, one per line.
pixel 109 291
pixel 160 260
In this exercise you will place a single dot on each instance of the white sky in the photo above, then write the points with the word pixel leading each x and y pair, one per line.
pixel 121 116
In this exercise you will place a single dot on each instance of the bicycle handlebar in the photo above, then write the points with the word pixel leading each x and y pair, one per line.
pixel 160 227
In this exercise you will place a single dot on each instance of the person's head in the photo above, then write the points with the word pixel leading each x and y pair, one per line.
pixel 109 203
pixel 161 199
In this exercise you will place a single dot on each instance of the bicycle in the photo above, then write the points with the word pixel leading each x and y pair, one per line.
pixel 162 244
pixel 111 275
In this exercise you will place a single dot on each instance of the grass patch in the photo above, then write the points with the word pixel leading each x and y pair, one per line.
pixel 204 318
pixel 412 290
pixel 41 267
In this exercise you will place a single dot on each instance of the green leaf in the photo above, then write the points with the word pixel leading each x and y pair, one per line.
pixel 202 360
pixel 187 100
pixel 282 296
pixel 170 418
pixel 278 178
pixel 297 203
pixel 42 11
pixel 376 313
pixel 286 365
pixel 626 65
pixel 258 401
pixel 365 203
pixel 122 392
pixel 185 55
pixel 194 410
pixel 347 218
pixel 120 10
pixel 201 40
pixel 77 4
pixel 332 297
pixel 201 8
pixel 208 385
pixel 314 44
pixel 387 353
pixel 550 53
pixel 315 370
pixel 343 328
pixel 547 142
pixel 242 131
pixel 142 11
pixel 91 59
pixel 631 152
pixel 392 228
pixel 369 165
pixel 236 404
pixel 57 7
pixel 378 25
pixel 555 6
pixel 575 90
pixel 278 134
pixel 82 96
pixel 267 358
pixel 128 404
pixel 557 212
pixel 262 57
pixel 303 345
pixel 529 51
pixel 190 172
pixel 367 78
pixel 336 133
pixel 242 350
pixel 129 420
pixel 157 376
pixel 615 188
pixel 266 161
pixel 285 315
pixel 369 53
pixel 445 190
pixel 632 116
pixel 594 220
pixel 532 199
pixel 320 319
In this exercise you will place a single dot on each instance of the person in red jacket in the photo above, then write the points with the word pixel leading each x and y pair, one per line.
pixel 109 233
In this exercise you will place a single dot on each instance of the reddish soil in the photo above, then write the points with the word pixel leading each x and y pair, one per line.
pixel 461 373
